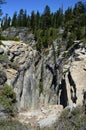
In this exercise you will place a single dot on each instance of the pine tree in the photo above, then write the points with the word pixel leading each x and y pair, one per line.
pixel 37 20
pixel 80 8
pixel 28 21
pixel 20 18
pixel 33 21
pixel 9 21
pixel 59 17
pixel 24 19
pixel 46 17
pixel 68 14
pixel 5 22
pixel 14 20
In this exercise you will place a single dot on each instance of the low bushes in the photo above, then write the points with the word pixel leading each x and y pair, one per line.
pixel 9 38
pixel 12 125
pixel 8 99
pixel 76 120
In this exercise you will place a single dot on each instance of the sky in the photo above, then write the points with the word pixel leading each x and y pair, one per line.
pixel 36 5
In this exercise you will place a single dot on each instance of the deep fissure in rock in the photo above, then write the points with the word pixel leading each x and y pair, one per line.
pixel 63 93
pixel 41 80
pixel 54 73
pixel 73 88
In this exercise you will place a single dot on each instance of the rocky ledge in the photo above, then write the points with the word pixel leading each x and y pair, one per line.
pixel 44 117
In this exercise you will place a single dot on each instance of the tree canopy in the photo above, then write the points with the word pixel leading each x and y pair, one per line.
pixel 45 25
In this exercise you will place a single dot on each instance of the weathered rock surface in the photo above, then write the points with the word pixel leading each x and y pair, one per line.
pixel 22 33
pixel 43 117
pixel 78 74
pixel 34 84
pixel 1 50
pixel 3 114
pixel 23 79
pixel 3 77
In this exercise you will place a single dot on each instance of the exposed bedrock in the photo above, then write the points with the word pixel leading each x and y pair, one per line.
pixel 39 81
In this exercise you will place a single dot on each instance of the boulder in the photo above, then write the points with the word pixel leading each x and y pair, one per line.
pixel 3 114
pixel 22 33
pixel 1 50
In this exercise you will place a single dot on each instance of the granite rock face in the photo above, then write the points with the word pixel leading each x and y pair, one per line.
pixel 1 50
pixel 44 117
pixel 25 88
pixel 78 74
pixel 3 114
pixel 39 81
pixel 22 33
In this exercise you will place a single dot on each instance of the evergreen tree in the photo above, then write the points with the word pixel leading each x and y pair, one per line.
pixel 37 20
pixel 46 23
pixel 20 18
pixel 14 20
pixel 80 8
pixel 9 21
pixel 79 33
pixel 54 20
pixel 33 21
pixel 5 22
pixel 24 20
pixel 68 14
pixel 45 26
pixel 59 17
pixel 28 21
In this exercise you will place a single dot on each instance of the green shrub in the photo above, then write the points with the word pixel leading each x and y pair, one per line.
pixel 8 99
pixel 79 33
pixel 76 120
pixel 70 40
pixel 46 52
pixel 9 38
pixel 4 58
pixel 64 54
pixel 39 44
pixel 45 37
pixel 84 42
pixel 12 125
pixel 40 87
pixel 14 65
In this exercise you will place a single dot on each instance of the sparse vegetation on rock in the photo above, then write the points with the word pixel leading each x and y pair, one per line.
pixel 12 125
pixel 42 63
pixel 8 99
pixel 74 121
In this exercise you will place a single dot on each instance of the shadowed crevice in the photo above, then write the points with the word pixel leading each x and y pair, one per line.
pixel 73 88
pixel 54 74
pixel 63 93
